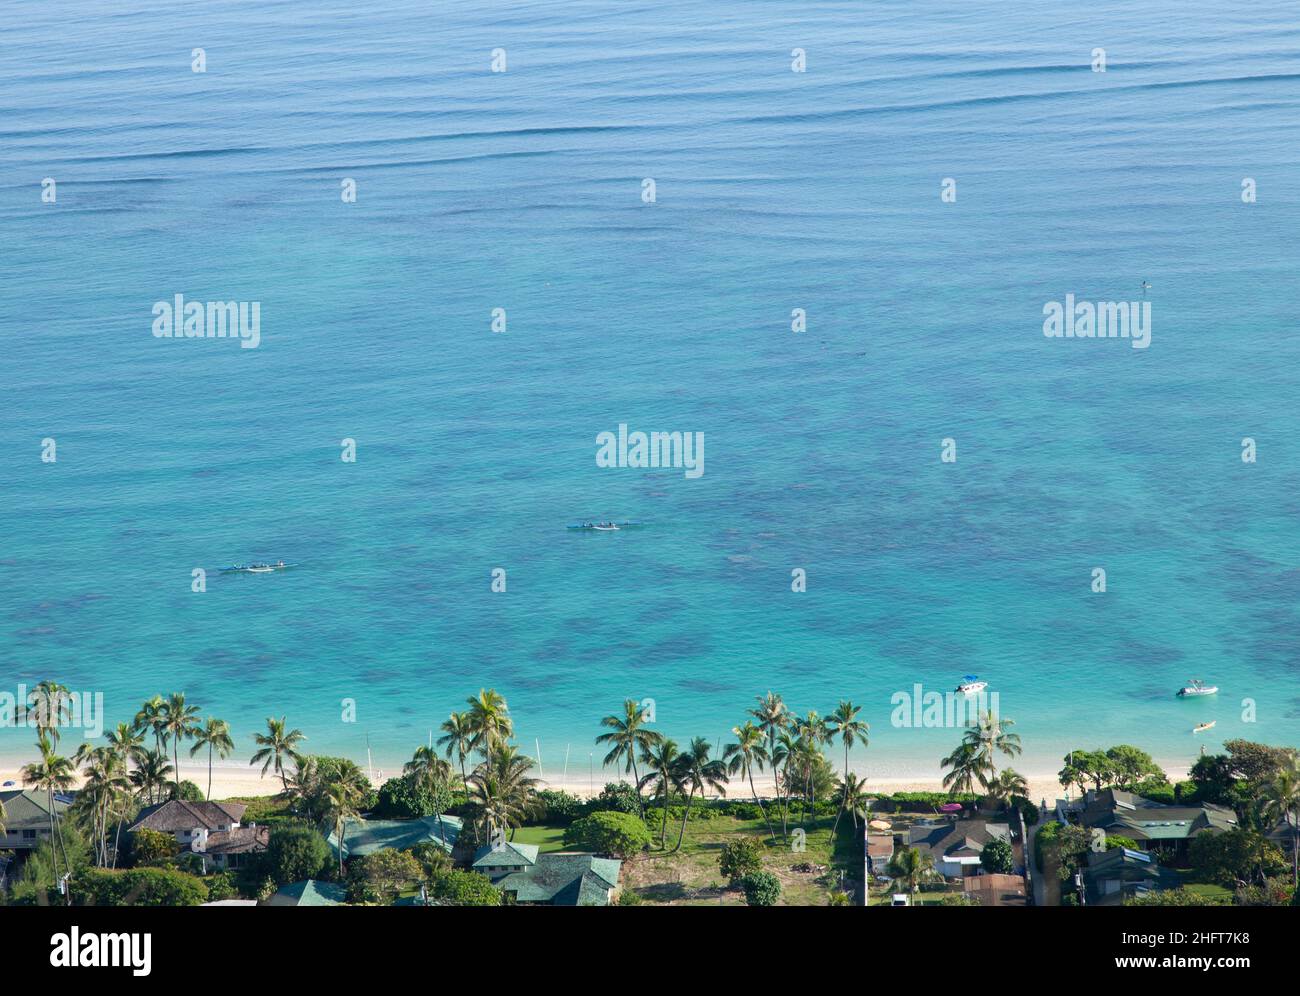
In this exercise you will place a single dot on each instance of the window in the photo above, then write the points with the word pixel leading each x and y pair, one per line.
pixel 30 835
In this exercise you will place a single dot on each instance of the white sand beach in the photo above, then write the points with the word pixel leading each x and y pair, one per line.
pixel 229 780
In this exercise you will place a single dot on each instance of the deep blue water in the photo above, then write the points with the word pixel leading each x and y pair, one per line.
pixel 775 190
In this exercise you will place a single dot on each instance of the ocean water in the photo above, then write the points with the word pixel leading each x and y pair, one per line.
pixel 775 190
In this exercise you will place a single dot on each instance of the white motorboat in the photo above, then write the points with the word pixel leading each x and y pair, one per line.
pixel 1197 687
pixel 971 685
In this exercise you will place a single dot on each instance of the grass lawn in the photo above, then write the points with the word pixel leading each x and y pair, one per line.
pixel 1209 890
pixel 545 837
pixel 690 877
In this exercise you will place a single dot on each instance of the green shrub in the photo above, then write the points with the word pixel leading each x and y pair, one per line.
pixel 152 847
pixel 222 886
pixel 462 888
pixel 1175 897
pixel 433 860
pixel 761 889
pixel 189 792
pixel 619 797
pixel 739 858
pixel 742 810
pixel 1047 835
pixel 560 808
pixel 1027 809
pixel 383 875
pixel 407 798
pixel 619 834
pixel 997 857
pixel 295 852
pixel 137 887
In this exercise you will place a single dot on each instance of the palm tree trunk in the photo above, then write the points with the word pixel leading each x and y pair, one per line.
pixel 1295 855
pixel 636 782
pixel 56 841
pixel 209 769
pixel 750 772
pixel 663 829
pixel 681 834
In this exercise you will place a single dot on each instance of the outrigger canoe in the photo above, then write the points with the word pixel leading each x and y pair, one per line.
pixel 602 527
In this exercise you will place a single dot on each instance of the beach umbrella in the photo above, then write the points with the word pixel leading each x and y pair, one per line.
pixel 879 825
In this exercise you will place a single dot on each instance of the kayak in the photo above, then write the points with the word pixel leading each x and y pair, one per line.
pixel 604 527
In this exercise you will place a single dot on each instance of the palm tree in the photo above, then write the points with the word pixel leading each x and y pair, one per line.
pixel 151 719
pixel 743 756
pixel 1281 798
pixel 458 737
pixel 844 723
pixel 151 774
pixel 503 789
pixel 341 806
pixel 1008 783
pixel 628 737
pixel 53 709
pixel 663 768
pixel 853 799
pixel 967 766
pixel 773 718
pixel 812 733
pixel 215 736
pixel 180 721
pixel 785 756
pixel 277 745
pixel 990 738
pixel 489 720
pixel 301 787
pixel 428 769
pixel 910 867
pixel 699 774
pixel 54 774
pixel 127 742
pixel 105 781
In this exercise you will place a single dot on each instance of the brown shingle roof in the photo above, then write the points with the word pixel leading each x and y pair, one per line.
pixel 241 841
pixel 175 816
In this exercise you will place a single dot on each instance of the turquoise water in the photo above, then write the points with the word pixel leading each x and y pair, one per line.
pixel 775 190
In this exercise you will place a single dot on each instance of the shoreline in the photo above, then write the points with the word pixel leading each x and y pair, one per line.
pixel 245 781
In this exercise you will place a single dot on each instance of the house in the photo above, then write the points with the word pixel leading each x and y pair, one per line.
pixel 880 850
pixel 1151 824
pixel 308 892
pixel 210 829
pixel 552 879
pixel 27 817
pixel 956 846
pixel 1120 873
pixel 362 837
pixel 995 890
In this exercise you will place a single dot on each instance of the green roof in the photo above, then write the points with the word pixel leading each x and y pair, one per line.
pixel 563 880
pixel 1131 815
pixel 362 837
pixel 508 855
pixel 309 892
